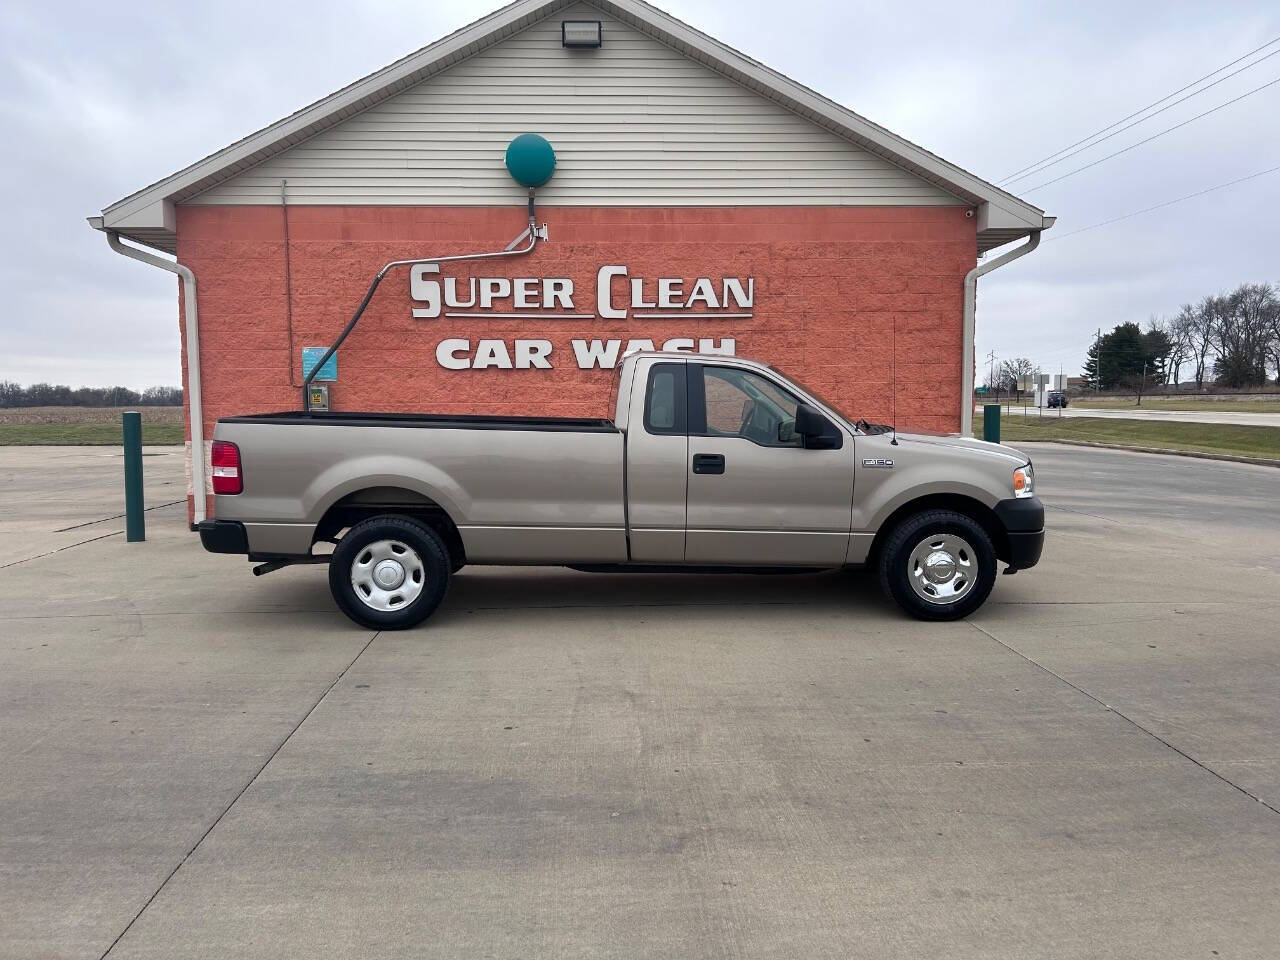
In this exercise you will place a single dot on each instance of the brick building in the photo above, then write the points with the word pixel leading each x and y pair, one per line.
pixel 700 201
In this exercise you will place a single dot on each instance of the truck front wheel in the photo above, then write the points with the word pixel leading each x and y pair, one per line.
pixel 938 565
pixel 389 573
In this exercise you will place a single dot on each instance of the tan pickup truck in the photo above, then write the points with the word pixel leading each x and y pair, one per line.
pixel 709 464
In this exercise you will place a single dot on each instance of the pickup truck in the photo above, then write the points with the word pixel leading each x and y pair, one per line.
pixel 711 463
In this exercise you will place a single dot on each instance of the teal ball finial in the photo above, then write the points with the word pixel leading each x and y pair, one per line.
pixel 530 160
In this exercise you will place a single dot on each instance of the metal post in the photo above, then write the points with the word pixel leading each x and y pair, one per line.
pixel 135 524
pixel 991 422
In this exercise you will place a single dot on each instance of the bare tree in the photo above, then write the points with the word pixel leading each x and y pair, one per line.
pixel 1262 302
pixel 1175 329
pixel 1011 371
pixel 1201 321
pixel 1242 335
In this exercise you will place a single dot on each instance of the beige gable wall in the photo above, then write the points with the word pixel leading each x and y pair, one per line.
pixel 632 123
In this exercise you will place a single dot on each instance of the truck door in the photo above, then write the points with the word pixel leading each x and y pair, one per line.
pixel 657 461
pixel 756 495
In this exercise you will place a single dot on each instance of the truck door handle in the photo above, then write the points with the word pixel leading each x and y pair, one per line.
pixel 708 463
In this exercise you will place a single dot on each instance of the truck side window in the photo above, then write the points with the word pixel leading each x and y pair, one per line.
pixel 739 403
pixel 665 402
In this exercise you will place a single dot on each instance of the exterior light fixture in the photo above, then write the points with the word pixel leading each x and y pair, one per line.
pixel 581 34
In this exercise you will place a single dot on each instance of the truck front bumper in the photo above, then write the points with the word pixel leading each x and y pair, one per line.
pixel 223 536
pixel 1023 519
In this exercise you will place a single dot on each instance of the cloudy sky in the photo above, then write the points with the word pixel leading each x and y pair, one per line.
pixel 101 99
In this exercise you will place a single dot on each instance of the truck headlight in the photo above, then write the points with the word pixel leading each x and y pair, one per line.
pixel 1024 482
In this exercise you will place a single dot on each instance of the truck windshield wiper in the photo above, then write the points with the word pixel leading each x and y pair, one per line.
pixel 873 429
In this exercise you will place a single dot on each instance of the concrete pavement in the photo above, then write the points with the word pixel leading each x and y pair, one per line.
pixel 199 763
pixel 56 497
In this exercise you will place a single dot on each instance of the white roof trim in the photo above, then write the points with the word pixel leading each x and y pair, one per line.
pixel 149 211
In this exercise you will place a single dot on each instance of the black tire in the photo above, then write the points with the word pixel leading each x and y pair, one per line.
pixel 430 552
pixel 895 557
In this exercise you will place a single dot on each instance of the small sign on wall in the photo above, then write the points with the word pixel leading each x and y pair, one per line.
pixel 311 356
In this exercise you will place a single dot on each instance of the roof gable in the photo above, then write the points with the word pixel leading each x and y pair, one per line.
pixel 148 214
pixel 634 123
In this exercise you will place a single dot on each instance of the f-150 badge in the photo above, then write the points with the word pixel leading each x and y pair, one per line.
pixel 879 464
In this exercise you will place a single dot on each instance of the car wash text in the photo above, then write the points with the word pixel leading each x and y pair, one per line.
pixel 617 296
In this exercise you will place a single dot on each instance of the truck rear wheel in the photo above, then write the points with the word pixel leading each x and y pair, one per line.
pixel 389 573
pixel 938 565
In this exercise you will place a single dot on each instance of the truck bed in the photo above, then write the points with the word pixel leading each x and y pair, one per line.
pixel 440 421
pixel 518 489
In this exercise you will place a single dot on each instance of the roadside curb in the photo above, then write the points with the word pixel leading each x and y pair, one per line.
pixel 1198 455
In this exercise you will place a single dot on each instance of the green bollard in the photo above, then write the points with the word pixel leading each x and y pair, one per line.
pixel 991 422
pixel 135 524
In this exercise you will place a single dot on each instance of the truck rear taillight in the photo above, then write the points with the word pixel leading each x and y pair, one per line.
pixel 225 458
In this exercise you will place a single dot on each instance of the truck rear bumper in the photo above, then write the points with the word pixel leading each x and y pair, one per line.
pixel 1023 520
pixel 223 536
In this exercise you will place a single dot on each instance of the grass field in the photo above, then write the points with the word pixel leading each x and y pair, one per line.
pixel 1195 437
pixel 94 426
pixel 1223 403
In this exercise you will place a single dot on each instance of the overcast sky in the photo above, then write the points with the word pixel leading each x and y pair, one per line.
pixel 102 99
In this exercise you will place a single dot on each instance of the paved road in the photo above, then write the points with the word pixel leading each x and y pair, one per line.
pixel 1211 502
pixel 1230 417
pixel 200 763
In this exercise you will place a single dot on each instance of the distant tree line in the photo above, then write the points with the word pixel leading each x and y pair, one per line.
pixel 1229 340
pixel 60 395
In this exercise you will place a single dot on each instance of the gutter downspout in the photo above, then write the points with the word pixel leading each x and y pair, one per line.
pixel 970 324
pixel 194 405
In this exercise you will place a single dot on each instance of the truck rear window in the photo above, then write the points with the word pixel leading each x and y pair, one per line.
pixel 664 400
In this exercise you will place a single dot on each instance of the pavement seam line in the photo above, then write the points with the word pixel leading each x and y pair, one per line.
pixel 236 799
pixel 1125 717
pixel 118 516
pixel 1081 513
pixel 14 563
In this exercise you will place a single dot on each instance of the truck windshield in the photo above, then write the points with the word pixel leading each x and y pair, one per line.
pixel 813 393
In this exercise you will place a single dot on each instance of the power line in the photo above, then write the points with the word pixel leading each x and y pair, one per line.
pixel 1155 103
pixel 1167 203
pixel 1091 142
pixel 1154 136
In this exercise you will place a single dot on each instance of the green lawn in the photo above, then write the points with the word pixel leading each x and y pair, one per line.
pixel 1195 437
pixel 1179 403
pixel 93 434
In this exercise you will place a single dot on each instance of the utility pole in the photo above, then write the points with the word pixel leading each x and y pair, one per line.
pixel 1097 372
pixel 991 373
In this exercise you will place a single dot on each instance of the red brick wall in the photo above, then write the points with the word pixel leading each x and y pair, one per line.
pixel 832 287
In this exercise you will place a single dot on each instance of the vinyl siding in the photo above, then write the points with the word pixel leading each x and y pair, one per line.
pixel 633 123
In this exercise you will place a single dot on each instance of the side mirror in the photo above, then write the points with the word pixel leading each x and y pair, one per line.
pixel 809 422
pixel 818 432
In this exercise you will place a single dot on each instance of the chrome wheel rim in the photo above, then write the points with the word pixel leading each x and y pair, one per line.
pixel 388 575
pixel 942 568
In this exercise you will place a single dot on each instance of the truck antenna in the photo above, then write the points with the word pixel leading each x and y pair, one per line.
pixel 893 441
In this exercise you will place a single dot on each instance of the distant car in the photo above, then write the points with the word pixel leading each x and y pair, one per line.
pixel 1057 398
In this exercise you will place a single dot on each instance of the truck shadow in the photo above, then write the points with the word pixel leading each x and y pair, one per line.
pixel 505 588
